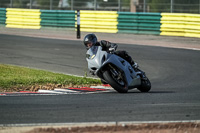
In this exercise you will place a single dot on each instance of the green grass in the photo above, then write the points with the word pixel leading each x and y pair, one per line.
pixel 11 76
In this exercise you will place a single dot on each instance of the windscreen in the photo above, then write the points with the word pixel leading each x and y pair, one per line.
pixel 91 53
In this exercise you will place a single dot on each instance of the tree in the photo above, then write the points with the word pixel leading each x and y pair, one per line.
pixel 186 6
pixel 45 4
pixel 160 6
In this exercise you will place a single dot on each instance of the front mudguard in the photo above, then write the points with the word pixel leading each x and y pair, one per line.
pixel 105 67
pixel 116 61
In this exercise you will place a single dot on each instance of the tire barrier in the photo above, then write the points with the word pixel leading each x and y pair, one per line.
pixel 2 16
pixel 99 21
pixel 180 24
pixel 23 18
pixel 170 24
pixel 139 23
pixel 57 18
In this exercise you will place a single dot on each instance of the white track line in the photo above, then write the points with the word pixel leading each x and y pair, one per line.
pixel 97 123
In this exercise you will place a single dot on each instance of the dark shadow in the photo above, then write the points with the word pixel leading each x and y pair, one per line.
pixel 138 92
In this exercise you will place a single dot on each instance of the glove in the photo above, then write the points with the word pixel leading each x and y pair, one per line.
pixel 111 49
pixel 113 45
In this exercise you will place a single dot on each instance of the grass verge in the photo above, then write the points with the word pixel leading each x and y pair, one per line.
pixel 15 78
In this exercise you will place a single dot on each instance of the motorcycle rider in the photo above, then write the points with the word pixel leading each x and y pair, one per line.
pixel 91 40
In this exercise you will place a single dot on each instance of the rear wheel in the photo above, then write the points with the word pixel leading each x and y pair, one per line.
pixel 115 78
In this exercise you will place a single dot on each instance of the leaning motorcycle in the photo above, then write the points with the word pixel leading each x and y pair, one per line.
pixel 116 71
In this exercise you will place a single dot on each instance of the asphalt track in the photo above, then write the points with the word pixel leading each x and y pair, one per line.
pixel 174 74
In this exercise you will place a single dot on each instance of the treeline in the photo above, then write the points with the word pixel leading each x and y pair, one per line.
pixel 179 6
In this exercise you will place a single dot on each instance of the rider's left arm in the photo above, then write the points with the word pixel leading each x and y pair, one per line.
pixel 106 45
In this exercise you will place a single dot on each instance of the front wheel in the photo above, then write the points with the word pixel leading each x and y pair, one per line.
pixel 145 85
pixel 115 79
pixel 103 81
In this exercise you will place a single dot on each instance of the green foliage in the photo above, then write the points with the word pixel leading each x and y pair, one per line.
pixel 179 6
pixel 45 4
pixel 4 3
pixel 125 2
pixel 20 3
pixel 159 6
pixel 186 6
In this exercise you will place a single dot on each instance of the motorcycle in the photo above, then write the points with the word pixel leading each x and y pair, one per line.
pixel 116 71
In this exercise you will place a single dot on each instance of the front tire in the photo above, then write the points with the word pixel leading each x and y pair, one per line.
pixel 103 82
pixel 118 86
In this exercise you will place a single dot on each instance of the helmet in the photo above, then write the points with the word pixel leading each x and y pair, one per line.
pixel 90 39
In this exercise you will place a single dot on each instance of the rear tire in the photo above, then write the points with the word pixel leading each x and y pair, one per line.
pixel 145 85
pixel 112 81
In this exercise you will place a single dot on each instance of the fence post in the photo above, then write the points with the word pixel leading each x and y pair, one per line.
pixel 119 5
pixel 78 25
pixel 95 4
pixel 51 2
pixel 72 4
pixel 144 6
pixel 11 3
pixel 30 4
pixel 172 2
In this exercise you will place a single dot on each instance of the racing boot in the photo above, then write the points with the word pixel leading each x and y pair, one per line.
pixel 135 65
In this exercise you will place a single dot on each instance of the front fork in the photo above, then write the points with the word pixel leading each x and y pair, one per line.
pixel 141 74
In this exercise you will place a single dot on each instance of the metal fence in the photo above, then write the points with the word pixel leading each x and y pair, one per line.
pixel 173 6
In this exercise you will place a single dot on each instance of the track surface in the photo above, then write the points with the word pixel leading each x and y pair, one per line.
pixel 174 74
